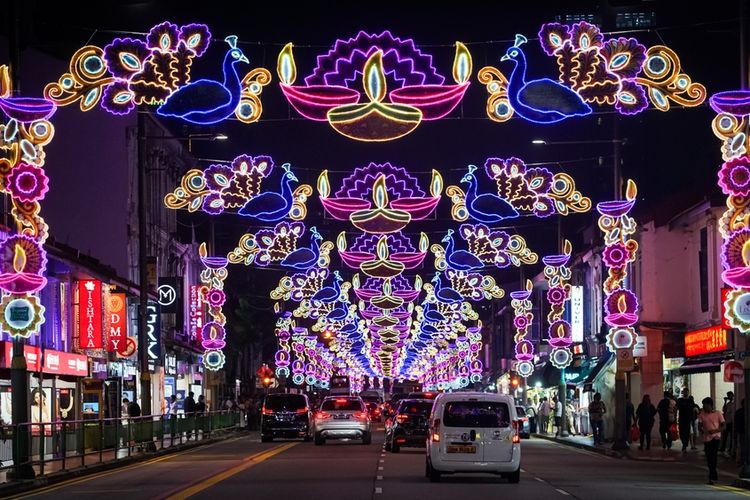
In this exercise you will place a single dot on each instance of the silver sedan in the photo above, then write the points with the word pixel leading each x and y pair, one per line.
pixel 342 418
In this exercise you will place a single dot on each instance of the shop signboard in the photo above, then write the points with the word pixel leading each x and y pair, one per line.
pixel 170 364
pixel 90 314
pixel 734 372
pixel 118 323
pixel 196 312
pixel 55 362
pixel 705 341
pixel 640 349
pixel 170 294
pixel 576 313
pixel 153 333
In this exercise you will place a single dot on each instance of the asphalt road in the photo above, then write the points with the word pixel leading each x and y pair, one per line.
pixel 244 467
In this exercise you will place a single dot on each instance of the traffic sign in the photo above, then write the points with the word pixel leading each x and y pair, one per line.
pixel 625 360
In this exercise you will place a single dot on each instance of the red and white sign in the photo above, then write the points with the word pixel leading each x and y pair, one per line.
pixel 706 340
pixel 118 323
pixel 90 314
pixel 734 372
pixel 55 362
pixel 196 311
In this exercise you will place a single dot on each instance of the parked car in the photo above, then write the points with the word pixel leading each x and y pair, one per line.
pixel 285 415
pixel 342 418
pixel 525 427
pixel 474 432
pixel 409 426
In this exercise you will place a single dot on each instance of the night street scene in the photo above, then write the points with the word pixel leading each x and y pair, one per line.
pixel 403 250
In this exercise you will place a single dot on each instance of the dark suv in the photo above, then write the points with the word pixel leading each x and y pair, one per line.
pixel 409 426
pixel 285 415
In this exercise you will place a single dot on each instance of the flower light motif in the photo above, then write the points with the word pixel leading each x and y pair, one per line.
pixel 215 297
pixel 27 183
pixel 620 304
pixel 734 177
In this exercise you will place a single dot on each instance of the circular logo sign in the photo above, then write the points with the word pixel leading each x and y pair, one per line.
pixel 167 295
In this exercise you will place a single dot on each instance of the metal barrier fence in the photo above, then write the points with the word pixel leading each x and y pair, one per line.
pixel 65 445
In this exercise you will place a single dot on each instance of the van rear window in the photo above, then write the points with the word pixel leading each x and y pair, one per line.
pixel 476 414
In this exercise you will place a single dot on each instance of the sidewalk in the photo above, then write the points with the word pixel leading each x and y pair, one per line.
pixel 726 465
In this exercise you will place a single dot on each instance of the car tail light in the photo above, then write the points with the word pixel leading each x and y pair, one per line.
pixel 377 411
pixel 436 430
pixel 402 418
pixel 516 435
pixel 321 415
pixel 301 410
pixel 341 401
pixel 266 411
pixel 363 415
pixel 400 440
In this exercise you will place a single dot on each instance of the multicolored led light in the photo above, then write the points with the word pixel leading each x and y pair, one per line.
pixel 557 273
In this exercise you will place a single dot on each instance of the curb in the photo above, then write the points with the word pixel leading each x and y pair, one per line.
pixel 741 483
pixel 601 451
pixel 16 487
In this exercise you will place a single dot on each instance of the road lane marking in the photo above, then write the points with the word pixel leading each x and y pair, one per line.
pixel 382 460
pixel 116 470
pixel 247 463
pixel 380 468
pixel 540 479
pixel 378 490
pixel 379 478
pixel 562 492
pixel 732 489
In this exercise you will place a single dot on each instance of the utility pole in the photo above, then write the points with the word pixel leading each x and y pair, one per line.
pixel 19 377
pixel 620 436
pixel 562 388
pixel 143 267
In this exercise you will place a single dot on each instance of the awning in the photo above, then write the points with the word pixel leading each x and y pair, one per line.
pixel 601 363
pixel 703 365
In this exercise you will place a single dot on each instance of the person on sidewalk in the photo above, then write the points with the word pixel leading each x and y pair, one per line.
pixel 694 424
pixel 666 419
pixel 645 416
pixel 190 410
pixel 685 413
pixel 543 416
pixel 739 430
pixel 728 412
pixel 629 414
pixel 711 423
pixel 558 416
pixel 597 409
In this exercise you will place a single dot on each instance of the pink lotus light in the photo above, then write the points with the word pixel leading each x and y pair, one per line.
pixel 434 101
pixel 559 334
pixel 314 101
pixel 621 307
pixel 418 208
pixel 407 295
pixel 410 260
pixel 737 277
pixel 524 351
pixel 354 259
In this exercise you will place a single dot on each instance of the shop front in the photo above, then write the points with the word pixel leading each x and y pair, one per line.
pixel 706 350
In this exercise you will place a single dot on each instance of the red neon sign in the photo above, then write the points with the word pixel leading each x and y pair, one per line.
pixel 706 340
pixel 90 314
pixel 196 312
pixel 55 362
pixel 118 323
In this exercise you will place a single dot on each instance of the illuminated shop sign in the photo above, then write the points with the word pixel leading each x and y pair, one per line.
pixel 706 340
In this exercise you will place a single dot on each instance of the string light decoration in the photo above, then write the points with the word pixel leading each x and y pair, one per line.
pixel 328 93
pixel 620 304
pixel 557 273
pixel 485 247
pixel 156 71
pixel 520 191
pixel 24 133
pixel 523 318
pixel 592 71
pixel 730 125
pixel 237 188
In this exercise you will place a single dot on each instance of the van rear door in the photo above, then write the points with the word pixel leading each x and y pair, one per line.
pixel 461 439
pixel 497 435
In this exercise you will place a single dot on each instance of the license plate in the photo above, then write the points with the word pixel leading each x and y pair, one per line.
pixel 340 417
pixel 462 449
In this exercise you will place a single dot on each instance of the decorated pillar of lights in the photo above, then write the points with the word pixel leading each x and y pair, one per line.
pixel 298 346
pixel 23 261
pixel 213 334
pixel 474 334
pixel 524 350
pixel 558 275
pixel 311 343
pixel 620 304
pixel 283 336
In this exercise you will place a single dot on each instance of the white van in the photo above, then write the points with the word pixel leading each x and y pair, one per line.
pixel 474 432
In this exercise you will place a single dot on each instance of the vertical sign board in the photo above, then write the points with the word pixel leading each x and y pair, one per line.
pixel 153 334
pixel 90 314
pixel 170 297
pixel 576 313
pixel 196 312
pixel 118 323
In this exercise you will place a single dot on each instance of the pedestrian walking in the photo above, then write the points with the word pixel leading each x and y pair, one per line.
pixel 645 416
pixel 666 419
pixel 597 409
pixel 190 411
pixel 543 416
pixel 558 416
pixel 711 423
pixel 685 413
pixel 727 444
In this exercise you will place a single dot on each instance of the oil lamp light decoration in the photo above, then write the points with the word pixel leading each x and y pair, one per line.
pixel 374 62
pixel 620 304
pixel 213 335
pixel 24 133
pixel 730 125
pixel 520 191
pixel 557 272
pixel 282 358
pixel 523 317
pixel 593 71
pixel 156 72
